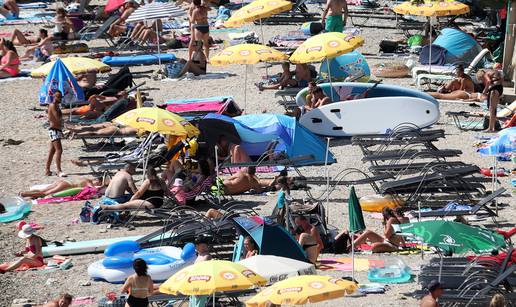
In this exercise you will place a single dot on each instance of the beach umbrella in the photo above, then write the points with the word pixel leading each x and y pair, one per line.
pixel 274 268
pixel 76 65
pixel 154 11
pixel 301 290
pixel 157 120
pixel 356 223
pixel 429 8
pixel 325 46
pixel 247 54
pixel 112 5
pixel 257 10
pixel 60 78
pixel 209 277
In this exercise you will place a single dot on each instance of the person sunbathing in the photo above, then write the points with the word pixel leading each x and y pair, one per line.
pixel 149 195
pixel 97 105
pixel 119 26
pixel 308 243
pixel 243 181
pixel 283 81
pixel 461 82
pixel 9 9
pixel 143 33
pixel 302 221
pixel 32 255
pixel 302 76
pixel 41 47
pixel 389 242
pixel 10 62
pixel 198 64
pixel 234 151
pixel 61 185
pixel 64 300
pixel 102 129
pixel 319 98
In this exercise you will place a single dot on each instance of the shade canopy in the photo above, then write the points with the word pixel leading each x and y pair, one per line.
pixel 432 8
pixel 257 10
pixel 247 54
pixel 325 46
pixel 76 65
pixel 156 10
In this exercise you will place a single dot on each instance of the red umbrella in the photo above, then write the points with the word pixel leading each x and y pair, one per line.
pixel 113 5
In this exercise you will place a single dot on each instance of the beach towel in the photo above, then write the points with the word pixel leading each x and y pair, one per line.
pixel 33 5
pixel 259 169
pixel 85 194
pixel 345 264
pixel 26 18
pixel 208 76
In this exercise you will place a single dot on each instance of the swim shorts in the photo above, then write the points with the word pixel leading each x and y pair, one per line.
pixel 334 23
pixel 82 110
pixel 55 134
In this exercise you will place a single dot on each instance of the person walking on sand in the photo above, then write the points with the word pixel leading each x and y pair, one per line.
pixel 334 21
pixel 55 131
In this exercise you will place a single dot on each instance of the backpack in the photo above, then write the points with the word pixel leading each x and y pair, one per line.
pixel 174 69
pixel 86 212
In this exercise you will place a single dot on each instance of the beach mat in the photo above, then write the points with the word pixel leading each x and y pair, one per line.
pixel 345 264
pixel 259 169
pixel 208 76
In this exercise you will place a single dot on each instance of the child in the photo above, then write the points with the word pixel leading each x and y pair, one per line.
pixel 178 191
pixel 283 199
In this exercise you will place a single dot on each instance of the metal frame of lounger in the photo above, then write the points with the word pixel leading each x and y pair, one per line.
pixel 410 154
pixel 288 97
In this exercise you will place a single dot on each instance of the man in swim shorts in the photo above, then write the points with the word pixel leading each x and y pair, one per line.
pixel 55 132
pixel 122 182
pixel 334 21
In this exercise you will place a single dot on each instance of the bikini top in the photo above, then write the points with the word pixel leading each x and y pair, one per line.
pixel 15 61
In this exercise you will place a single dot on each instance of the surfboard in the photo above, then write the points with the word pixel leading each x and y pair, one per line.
pixel 370 116
pixel 343 91
pixel 83 247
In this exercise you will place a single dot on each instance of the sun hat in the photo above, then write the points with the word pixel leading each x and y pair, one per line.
pixel 178 182
pixel 26 231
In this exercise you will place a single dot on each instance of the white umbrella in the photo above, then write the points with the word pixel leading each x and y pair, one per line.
pixel 153 11
pixel 274 268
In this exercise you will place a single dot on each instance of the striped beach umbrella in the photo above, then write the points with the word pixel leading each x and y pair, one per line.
pixel 156 10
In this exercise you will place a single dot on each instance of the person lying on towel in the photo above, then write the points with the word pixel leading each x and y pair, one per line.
pixel 61 185
pixel 98 104
pixel 243 181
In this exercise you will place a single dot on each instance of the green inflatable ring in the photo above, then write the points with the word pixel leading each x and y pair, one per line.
pixel 68 192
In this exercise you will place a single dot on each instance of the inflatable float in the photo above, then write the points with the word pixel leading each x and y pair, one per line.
pixel 162 261
pixel 67 192
pixel 393 272
pixel 376 203
pixel 15 208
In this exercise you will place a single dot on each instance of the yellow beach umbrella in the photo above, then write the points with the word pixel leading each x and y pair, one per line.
pixel 76 65
pixel 257 10
pixel 325 46
pixel 209 277
pixel 432 8
pixel 247 54
pixel 300 290
pixel 157 120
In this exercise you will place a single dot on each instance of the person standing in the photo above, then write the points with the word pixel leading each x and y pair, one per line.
pixel 435 290
pixel 200 28
pixel 55 131
pixel 139 285
pixel 334 21
pixel 203 254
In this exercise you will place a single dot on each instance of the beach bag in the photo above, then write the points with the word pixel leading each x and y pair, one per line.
pixel 86 213
pixel 174 69
pixel 388 46
pixel 415 40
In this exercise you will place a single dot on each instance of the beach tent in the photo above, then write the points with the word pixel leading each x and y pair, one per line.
pixel 258 131
pixel 460 46
pixel 351 64
pixel 60 78
pixel 271 238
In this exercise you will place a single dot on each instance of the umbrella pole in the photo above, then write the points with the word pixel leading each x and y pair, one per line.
pixel 440 264
pixel 213 298
pixel 329 76
pixel 327 178
pixel 157 39
pixel 430 50
pixel 245 89
pixel 352 257
pixel 495 178
pixel 217 172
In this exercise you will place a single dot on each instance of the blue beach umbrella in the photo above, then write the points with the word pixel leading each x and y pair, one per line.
pixel 352 64
pixel 60 78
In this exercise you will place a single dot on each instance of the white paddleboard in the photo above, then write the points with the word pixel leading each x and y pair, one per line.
pixel 370 116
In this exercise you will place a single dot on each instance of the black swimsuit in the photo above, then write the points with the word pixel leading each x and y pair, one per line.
pixel 155 197
pixel 137 302
pixel 202 28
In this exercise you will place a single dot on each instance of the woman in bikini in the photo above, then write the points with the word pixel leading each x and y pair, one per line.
pixel 10 62
pixel 62 185
pixel 139 286
pixel 390 242
pixel 250 248
pixel 493 89
pixel 308 243
pixel 200 27
pixel 32 255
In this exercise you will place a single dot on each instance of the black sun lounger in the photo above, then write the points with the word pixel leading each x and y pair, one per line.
pixel 395 168
pixel 410 154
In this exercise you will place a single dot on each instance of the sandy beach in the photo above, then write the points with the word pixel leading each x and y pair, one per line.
pixel 23 166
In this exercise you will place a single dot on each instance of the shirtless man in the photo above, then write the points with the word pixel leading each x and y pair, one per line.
pixel 119 26
pixel 462 82
pixel 334 21
pixel 435 291
pixel 242 181
pixel 319 99
pixel 122 182
pixel 55 132
pixel 64 300
pixel 200 28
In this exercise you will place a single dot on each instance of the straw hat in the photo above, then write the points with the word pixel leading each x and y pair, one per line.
pixel 178 182
pixel 26 231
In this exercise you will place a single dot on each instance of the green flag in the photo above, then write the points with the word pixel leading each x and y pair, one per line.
pixel 455 237
pixel 356 219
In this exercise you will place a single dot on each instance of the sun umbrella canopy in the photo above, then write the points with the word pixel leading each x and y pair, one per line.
pixel 156 10
pixel 452 237
pixel 60 78
pixel 157 120
pixel 112 5
pixel 301 290
pixel 76 65
pixel 504 143
pixel 257 10
pixel 208 277
pixel 432 8
pixel 247 54
pixel 274 268
pixel 324 46
pixel 356 218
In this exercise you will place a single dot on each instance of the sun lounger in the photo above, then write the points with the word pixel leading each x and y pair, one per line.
pixel 411 154
pixel 111 113
pixel 396 168
pixel 288 97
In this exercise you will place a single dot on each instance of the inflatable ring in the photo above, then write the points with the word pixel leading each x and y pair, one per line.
pixel 390 70
pixel 376 203
pixel 67 192
pixel 15 209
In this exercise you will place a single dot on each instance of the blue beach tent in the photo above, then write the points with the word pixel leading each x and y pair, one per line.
pixel 258 131
pixel 60 78
pixel 460 46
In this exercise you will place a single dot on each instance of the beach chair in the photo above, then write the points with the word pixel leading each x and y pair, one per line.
pixel 92 32
pixel 116 109
pixel 288 97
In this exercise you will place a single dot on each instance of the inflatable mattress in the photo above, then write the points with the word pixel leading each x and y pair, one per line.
pixel 138 59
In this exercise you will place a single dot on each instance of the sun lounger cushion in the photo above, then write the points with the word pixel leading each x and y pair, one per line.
pixel 196 100
pixel 138 59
